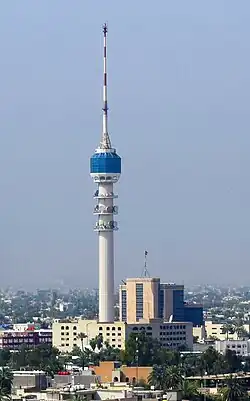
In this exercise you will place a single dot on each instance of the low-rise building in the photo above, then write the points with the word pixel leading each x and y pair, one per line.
pixel 13 339
pixel 66 333
pixel 199 333
pixel 218 331
pixel 241 347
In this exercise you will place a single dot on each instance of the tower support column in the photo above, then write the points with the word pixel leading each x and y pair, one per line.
pixel 106 276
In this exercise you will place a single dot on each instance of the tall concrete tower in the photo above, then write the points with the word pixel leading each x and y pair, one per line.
pixel 105 169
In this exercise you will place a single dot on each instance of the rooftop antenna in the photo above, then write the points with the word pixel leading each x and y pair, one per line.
pixel 145 272
pixel 105 141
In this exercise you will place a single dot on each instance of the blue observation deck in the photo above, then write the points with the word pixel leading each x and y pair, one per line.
pixel 105 163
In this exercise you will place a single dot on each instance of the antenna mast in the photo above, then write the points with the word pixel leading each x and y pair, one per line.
pixel 105 142
pixel 145 272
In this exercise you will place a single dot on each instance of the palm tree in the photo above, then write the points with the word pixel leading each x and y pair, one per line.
pixel 227 329
pixel 190 390
pixel 6 379
pixel 156 377
pixel 173 378
pixel 233 391
pixel 81 337
pixel 240 331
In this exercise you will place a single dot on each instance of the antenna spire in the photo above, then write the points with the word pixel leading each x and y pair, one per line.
pixel 105 142
pixel 145 272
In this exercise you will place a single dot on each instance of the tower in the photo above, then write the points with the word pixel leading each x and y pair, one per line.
pixel 105 169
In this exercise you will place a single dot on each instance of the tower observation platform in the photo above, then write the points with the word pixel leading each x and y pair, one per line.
pixel 105 169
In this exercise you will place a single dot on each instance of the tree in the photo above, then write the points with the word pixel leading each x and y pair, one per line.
pixel 233 391
pixel 166 378
pixel 157 376
pixel 5 356
pixel 241 332
pixel 209 359
pixel 190 390
pixel 227 329
pixel 81 337
pixel 232 361
pixel 141 349
pixel 6 379
pixel 173 378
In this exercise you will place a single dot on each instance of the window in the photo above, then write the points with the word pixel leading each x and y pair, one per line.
pixel 119 328
pixel 62 327
pixel 113 328
pixel 74 328
pixel 139 301
pixel 67 327
pixel 124 305
pixel 100 328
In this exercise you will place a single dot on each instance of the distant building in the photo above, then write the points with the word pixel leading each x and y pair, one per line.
pixel 115 372
pixel 171 334
pixel 194 313
pixel 172 302
pixel 139 299
pixel 148 298
pixel 14 339
pixel 240 347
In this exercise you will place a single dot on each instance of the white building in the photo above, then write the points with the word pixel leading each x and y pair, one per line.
pixel 241 347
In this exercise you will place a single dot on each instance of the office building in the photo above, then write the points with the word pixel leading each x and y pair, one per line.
pixel 170 334
pixel 139 299
pixel 15 339
pixel 193 313
pixel 148 298
pixel 240 347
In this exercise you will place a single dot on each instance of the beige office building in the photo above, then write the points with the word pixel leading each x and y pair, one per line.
pixel 171 335
pixel 139 299
pixel 147 298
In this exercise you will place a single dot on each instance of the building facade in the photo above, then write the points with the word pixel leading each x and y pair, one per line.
pixel 148 298
pixel 194 313
pixel 240 347
pixel 139 299
pixel 171 335
pixel 14 339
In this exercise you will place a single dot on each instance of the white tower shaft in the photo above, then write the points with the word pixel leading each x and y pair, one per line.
pixel 106 258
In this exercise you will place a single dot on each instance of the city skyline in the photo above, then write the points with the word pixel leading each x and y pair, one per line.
pixel 179 96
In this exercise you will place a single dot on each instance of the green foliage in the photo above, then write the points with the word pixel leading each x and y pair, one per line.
pixel 6 379
pixel 43 357
pixel 233 391
pixel 140 349
pixel 166 378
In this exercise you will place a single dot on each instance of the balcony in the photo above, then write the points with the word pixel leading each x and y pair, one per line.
pixel 105 210
pixel 109 195
pixel 106 226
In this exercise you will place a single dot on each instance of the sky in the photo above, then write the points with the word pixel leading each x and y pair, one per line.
pixel 179 98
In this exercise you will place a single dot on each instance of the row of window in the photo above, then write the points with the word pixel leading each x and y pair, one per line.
pixel 173 338
pixel 171 333
pixel 68 328
pixel 112 328
pixel 173 327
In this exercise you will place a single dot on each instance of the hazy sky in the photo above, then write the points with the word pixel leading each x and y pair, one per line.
pixel 179 97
